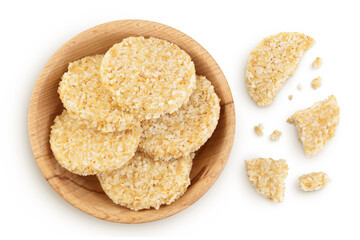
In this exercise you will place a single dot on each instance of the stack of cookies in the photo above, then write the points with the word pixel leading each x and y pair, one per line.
pixel 134 117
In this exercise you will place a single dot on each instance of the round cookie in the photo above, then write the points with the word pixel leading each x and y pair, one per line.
pixel 84 96
pixel 274 60
pixel 86 151
pixel 144 183
pixel 148 76
pixel 186 130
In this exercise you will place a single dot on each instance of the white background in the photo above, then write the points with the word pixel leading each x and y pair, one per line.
pixel 33 30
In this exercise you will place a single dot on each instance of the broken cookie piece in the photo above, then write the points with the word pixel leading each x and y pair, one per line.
pixel 268 177
pixel 317 124
pixel 313 181
pixel 272 62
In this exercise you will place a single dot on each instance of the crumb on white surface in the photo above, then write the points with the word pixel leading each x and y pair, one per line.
pixel 316 82
pixel 299 87
pixel 258 129
pixel 317 63
pixel 275 136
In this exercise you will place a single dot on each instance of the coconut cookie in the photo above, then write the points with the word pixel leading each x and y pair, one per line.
pixel 86 151
pixel 317 124
pixel 83 95
pixel 148 76
pixel 144 183
pixel 272 62
pixel 186 130
pixel 268 177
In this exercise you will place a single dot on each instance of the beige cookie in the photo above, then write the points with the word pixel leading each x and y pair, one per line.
pixel 186 130
pixel 317 124
pixel 272 62
pixel 83 95
pixel 268 177
pixel 148 77
pixel 86 151
pixel 144 183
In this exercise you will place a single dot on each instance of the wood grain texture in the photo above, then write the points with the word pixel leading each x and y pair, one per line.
pixel 85 193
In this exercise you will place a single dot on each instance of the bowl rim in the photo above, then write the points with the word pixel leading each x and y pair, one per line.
pixel 42 77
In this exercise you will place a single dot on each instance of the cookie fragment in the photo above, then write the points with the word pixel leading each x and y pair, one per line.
pixel 317 124
pixel 186 130
pixel 86 151
pixel 290 97
pixel 299 87
pixel 144 183
pixel 268 177
pixel 258 129
pixel 272 62
pixel 275 136
pixel 148 77
pixel 316 82
pixel 317 63
pixel 313 181
pixel 84 97
pixel 290 120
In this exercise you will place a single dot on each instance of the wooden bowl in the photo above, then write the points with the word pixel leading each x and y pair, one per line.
pixel 85 193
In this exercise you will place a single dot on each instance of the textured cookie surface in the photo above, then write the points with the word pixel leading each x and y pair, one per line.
pixel 186 130
pixel 144 183
pixel 313 181
pixel 317 124
pixel 84 97
pixel 86 151
pixel 272 62
pixel 148 76
pixel 268 177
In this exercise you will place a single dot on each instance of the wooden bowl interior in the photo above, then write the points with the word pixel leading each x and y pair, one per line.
pixel 85 193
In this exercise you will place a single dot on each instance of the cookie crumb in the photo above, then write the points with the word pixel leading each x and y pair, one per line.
pixel 290 120
pixel 313 181
pixel 317 63
pixel 291 97
pixel 275 136
pixel 299 87
pixel 258 129
pixel 316 82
